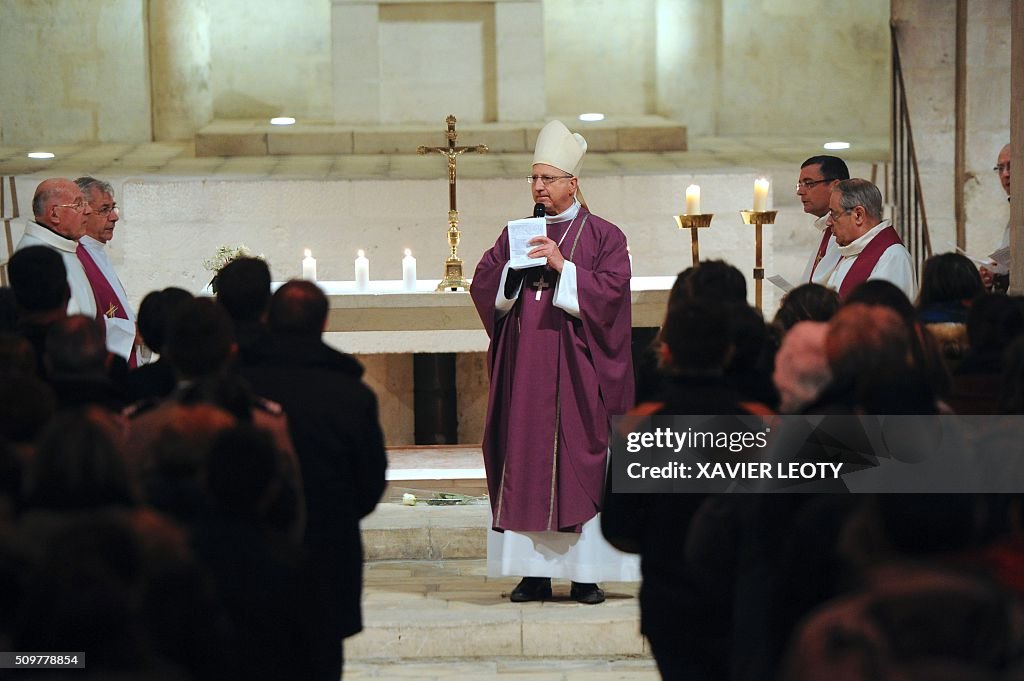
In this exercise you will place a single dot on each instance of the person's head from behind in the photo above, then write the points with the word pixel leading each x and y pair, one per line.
pixel 243 288
pixel 242 472
pixel 806 303
pixel 993 322
pixel 155 314
pixel 200 339
pixel 801 366
pixel 949 278
pixel 79 464
pixel 871 352
pixel 39 281
pixel 886 294
pixel 713 280
pixel 76 347
pixel 818 175
pixel 696 338
pixel 298 308
pixel 855 207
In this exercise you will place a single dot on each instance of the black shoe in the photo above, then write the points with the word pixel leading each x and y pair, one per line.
pixel 590 594
pixel 531 589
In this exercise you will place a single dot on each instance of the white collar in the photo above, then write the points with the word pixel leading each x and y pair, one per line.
pixel 861 242
pixel 567 214
pixel 47 235
pixel 820 223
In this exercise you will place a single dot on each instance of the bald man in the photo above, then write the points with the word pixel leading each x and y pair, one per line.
pixel 60 210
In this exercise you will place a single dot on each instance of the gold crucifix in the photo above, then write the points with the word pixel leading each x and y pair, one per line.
pixel 453 278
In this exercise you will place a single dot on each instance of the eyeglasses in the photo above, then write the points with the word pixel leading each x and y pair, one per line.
pixel 1002 167
pixel 810 184
pixel 106 210
pixel 77 206
pixel 835 216
pixel 547 179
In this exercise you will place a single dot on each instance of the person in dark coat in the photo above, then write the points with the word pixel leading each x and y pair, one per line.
pixel 336 431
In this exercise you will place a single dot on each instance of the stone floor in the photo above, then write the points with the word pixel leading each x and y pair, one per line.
pixel 431 612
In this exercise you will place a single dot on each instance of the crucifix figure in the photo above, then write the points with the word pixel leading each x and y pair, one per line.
pixel 540 285
pixel 453 279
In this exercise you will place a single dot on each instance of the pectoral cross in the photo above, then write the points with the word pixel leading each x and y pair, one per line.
pixel 540 285
pixel 453 279
pixel 111 311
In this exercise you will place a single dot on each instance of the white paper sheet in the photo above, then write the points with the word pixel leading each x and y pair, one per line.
pixel 519 234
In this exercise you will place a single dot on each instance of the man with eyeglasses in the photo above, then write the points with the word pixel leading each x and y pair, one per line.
pixel 560 367
pixel 111 300
pixel 818 175
pixel 1002 168
pixel 60 211
pixel 869 247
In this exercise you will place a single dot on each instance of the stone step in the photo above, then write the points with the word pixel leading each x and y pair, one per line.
pixel 326 138
pixel 505 669
pixel 423 532
pixel 449 610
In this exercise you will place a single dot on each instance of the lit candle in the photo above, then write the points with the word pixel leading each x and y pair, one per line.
pixel 309 266
pixel 761 194
pixel 409 271
pixel 693 200
pixel 362 271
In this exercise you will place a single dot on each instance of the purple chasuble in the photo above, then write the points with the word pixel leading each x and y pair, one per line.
pixel 555 380
pixel 107 302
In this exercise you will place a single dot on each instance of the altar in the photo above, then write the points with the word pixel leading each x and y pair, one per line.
pixel 386 326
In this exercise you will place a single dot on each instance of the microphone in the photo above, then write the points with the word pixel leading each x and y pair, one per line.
pixel 538 210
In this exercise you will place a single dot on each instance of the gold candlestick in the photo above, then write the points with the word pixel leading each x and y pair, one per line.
pixel 758 218
pixel 694 222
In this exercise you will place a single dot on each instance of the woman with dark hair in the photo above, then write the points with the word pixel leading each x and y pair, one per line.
pixel 805 303
pixel 949 284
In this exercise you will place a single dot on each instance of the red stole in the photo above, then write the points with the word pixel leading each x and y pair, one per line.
pixel 107 302
pixel 826 234
pixel 867 259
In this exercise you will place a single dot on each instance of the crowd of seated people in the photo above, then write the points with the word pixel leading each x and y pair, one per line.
pixel 181 519
pixel 159 518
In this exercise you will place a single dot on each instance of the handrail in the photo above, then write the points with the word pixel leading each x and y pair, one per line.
pixel 909 217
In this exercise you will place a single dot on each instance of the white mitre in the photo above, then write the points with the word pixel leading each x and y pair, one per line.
pixel 560 148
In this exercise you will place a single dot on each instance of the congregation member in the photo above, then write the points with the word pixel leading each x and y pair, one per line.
pixel 59 213
pixel 560 366
pixel 40 286
pixel 243 290
pixel 112 304
pixel 869 247
pixel 818 176
pixel 335 426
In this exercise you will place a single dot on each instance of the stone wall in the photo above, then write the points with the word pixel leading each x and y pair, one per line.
pixel 729 67
pixel 927 37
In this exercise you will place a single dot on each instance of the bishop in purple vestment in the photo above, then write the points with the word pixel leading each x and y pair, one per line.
pixel 559 356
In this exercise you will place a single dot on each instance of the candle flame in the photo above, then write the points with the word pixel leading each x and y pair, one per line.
pixel 360 253
pixel 408 251
pixel 309 253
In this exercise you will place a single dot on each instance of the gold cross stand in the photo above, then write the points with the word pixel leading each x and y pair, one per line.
pixel 453 277
pixel 8 242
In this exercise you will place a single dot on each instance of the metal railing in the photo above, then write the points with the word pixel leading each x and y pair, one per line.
pixel 903 184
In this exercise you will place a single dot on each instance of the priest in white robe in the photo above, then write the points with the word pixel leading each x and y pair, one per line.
pixel 111 299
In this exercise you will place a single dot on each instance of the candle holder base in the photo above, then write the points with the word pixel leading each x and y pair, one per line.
pixel 453 279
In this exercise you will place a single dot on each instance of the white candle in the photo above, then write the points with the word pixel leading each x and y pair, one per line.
pixel 362 271
pixel 409 271
pixel 761 194
pixel 309 266
pixel 693 200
